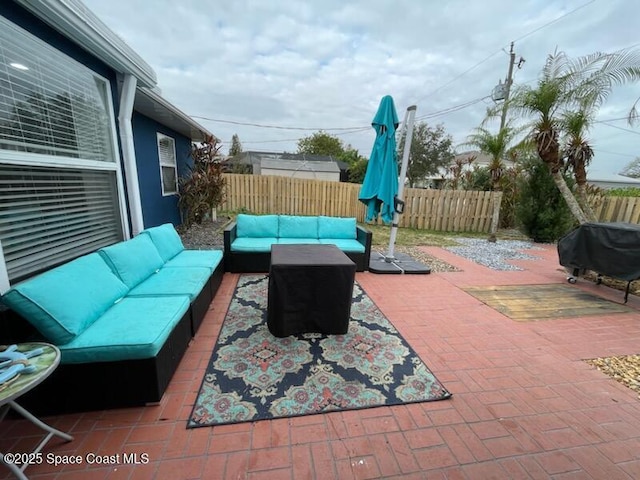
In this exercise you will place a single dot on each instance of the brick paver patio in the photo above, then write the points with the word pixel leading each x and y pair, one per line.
pixel 525 405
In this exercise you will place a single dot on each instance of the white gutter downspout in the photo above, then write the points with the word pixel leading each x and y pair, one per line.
pixel 4 275
pixel 128 152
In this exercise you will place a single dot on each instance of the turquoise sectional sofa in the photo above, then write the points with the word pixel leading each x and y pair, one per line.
pixel 122 318
pixel 248 240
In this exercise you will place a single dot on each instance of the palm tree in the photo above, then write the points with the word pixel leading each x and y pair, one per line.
pixel 496 146
pixel 578 154
pixel 565 86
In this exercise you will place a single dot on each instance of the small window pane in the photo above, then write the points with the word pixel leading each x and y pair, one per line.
pixel 169 181
pixel 168 167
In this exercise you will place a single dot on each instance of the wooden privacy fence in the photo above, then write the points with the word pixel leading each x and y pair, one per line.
pixel 443 210
pixel 617 209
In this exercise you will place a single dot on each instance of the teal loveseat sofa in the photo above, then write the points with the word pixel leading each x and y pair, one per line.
pixel 248 240
pixel 122 318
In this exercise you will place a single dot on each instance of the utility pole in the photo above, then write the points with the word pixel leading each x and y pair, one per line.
pixel 509 81
pixel 503 119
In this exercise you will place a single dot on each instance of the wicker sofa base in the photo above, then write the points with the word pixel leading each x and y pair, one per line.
pixel 106 385
pixel 200 304
pixel 259 262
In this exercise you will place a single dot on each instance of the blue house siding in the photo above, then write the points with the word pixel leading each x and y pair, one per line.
pixel 156 208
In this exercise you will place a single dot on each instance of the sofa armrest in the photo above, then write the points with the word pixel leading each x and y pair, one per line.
pixel 365 237
pixel 229 234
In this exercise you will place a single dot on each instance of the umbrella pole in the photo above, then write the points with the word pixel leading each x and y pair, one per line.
pixel 409 118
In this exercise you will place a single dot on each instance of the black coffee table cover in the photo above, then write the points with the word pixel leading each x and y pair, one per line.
pixel 310 290
pixel 611 249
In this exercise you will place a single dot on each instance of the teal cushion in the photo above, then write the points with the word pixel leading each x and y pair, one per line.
pixel 196 258
pixel 257 226
pixel 166 240
pixel 293 226
pixel 337 227
pixel 64 301
pixel 253 244
pixel 297 241
pixel 134 328
pixel 133 260
pixel 173 281
pixel 346 245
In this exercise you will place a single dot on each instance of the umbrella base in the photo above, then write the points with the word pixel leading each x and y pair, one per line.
pixel 401 263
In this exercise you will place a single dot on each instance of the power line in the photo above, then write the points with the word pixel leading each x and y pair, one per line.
pixel 455 108
pixel 278 127
pixel 554 21
pixel 458 76
pixel 340 130
pixel 616 153
pixel 620 128
pixel 501 49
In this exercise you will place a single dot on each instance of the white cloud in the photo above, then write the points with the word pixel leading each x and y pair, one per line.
pixel 326 64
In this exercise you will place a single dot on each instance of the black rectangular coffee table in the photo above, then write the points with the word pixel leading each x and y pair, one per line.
pixel 310 290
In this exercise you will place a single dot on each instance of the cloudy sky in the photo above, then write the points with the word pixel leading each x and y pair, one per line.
pixel 244 65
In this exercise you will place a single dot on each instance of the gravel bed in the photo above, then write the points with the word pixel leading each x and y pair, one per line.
pixel 204 236
pixel 624 369
pixel 494 255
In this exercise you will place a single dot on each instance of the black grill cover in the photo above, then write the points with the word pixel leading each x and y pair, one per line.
pixel 611 249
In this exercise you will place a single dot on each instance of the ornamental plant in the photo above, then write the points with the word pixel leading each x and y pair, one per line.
pixel 202 189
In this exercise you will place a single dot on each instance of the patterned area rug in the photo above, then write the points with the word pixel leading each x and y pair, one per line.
pixel 253 375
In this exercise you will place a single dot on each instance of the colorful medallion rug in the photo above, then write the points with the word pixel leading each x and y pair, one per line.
pixel 253 375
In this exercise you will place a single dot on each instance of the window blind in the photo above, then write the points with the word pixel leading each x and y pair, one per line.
pixel 49 103
pixel 51 215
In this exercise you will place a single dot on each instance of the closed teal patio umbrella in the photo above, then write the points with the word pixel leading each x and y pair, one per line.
pixel 380 185
pixel 382 188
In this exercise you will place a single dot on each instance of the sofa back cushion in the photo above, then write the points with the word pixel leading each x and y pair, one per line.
pixel 166 240
pixel 257 226
pixel 337 227
pixel 293 226
pixel 133 261
pixel 64 301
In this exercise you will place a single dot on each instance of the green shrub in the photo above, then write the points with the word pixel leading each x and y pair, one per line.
pixel 623 192
pixel 541 210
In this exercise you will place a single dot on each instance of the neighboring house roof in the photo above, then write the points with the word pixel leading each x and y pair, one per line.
pixel 320 162
pixel 296 165
pixel 611 180
pixel 75 21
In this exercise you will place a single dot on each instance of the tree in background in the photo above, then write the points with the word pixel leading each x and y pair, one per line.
pixel 577 153
pixel 496 146
pixel 321 143
pixel 236 146
pixel 431 150
pixel 632 169
pixel 541 210
pixel 358 170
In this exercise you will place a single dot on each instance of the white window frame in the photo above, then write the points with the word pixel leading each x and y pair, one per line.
pixel 167 163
